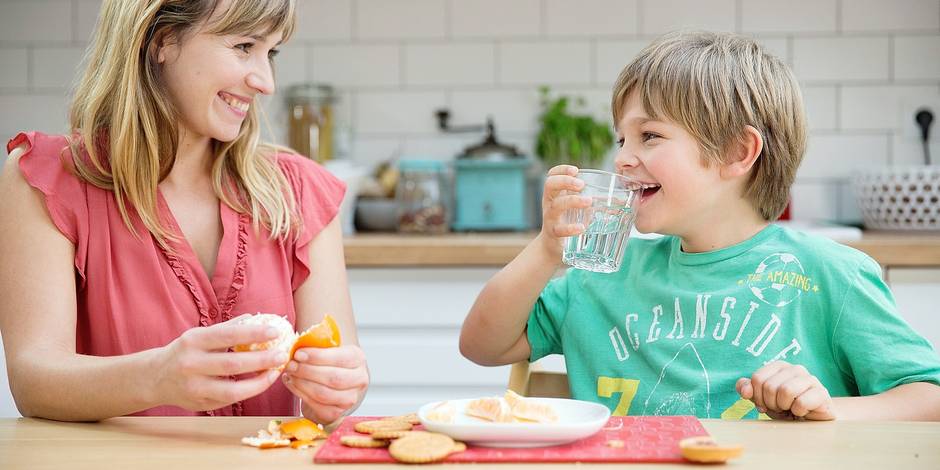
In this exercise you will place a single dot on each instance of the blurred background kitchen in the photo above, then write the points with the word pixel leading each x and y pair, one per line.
pixel 441 115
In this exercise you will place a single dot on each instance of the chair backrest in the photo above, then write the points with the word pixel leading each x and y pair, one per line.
pixel 537 383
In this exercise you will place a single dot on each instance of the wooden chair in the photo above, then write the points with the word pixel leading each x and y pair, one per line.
pixel 532 382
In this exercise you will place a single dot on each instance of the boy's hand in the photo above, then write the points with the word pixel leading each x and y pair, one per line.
pixel 559 195
pixel 787 391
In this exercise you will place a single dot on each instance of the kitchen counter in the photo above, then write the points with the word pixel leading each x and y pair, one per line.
pixel 890 249
pixel 204 442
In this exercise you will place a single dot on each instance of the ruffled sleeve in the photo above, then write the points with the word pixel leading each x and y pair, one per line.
pixel 43 165
pixel 318 194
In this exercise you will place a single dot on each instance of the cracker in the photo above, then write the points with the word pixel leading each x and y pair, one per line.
pixel 383 434
pixel 369 427
pixel 421 448
pixel 411 418
pixel 363 442
pixel 458 447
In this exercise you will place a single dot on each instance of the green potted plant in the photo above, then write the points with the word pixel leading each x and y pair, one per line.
pixel 570 138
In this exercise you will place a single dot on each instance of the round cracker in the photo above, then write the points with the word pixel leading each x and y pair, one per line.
pixel 411 418
pixel 458 447
pixel 421 448
pixel 383 434
pixel 369 427
pixel 363 442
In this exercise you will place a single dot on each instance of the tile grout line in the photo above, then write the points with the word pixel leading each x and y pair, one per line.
pixel 839 17
pixel 891 60
pixel 639 17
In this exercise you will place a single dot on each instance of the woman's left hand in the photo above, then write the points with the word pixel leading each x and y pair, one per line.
pixel 329 381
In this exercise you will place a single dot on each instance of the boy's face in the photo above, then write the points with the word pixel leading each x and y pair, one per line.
pixel 662 152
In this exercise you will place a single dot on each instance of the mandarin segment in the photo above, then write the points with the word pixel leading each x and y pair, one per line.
pixel 528 410
pixel 489 409
pixel 443 412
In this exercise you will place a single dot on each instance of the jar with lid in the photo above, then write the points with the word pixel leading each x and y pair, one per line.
pixel 310 130
pixel 421 197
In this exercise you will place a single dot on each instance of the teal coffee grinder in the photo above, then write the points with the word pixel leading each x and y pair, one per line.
pixel 490 182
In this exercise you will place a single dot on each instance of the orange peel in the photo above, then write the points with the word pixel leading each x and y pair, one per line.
pixel 304 444
pixel 704 449
pixel 322 335
pixel 302 430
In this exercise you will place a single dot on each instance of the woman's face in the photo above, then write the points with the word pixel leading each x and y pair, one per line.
pixel 213 79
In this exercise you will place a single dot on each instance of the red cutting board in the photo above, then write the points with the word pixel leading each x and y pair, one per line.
pixel 645 439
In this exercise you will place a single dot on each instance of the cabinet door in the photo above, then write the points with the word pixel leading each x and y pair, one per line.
pixel 917 292
pixel 409 324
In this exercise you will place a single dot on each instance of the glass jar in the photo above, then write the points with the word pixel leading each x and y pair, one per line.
pixel 421 197
pixel 310 130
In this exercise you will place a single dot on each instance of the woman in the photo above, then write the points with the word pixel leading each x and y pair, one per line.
pixel 129 245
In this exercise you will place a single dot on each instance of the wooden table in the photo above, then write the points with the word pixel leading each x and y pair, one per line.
pixel 209 443
pixel 890 249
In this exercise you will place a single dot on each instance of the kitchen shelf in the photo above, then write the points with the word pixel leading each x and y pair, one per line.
pixel 890 249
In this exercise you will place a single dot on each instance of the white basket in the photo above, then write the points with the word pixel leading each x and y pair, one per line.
pixel 900 198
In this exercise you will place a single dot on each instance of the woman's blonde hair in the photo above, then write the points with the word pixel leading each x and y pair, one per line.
pixel 715 84
pixel 123 117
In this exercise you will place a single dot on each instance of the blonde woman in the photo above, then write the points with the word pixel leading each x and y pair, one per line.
pixel 130 245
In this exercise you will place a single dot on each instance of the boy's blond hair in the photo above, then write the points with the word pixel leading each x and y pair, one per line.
pixel 715 84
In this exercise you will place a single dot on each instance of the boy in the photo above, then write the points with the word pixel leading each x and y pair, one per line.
pixel 728 315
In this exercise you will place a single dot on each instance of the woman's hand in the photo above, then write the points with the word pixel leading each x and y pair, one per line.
pixel 330 381
pixel 194 370
pixel 787 391
pixel 559 195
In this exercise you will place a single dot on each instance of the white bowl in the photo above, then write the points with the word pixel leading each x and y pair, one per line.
pixel 903 198
pixel 576 420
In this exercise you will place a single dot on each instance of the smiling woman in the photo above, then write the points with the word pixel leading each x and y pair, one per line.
pixel 160 219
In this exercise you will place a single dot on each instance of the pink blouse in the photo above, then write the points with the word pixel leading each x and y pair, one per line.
pixel 133 295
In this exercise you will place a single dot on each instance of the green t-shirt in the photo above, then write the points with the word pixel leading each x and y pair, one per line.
pixel 672 332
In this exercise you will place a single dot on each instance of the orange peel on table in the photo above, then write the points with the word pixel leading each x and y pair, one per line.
pixel 322 335
pixel 704 449
pixel 297 434
pixel 302 430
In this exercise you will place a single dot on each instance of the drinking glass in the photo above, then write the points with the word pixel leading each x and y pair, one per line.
pixel 607 221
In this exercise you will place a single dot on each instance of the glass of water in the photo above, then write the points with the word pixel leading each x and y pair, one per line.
pixel 607 221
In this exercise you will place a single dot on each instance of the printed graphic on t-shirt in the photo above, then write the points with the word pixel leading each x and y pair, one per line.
pixel 747 324
pixel 778 280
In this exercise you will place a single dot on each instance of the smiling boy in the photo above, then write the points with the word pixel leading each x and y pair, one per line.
pixel 728 315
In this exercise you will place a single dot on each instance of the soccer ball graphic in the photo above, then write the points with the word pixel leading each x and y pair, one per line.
pixel 773 293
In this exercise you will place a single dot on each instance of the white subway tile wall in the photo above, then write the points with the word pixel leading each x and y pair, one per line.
pixel 864 65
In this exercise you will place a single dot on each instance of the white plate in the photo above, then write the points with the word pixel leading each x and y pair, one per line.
pixel 576 420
